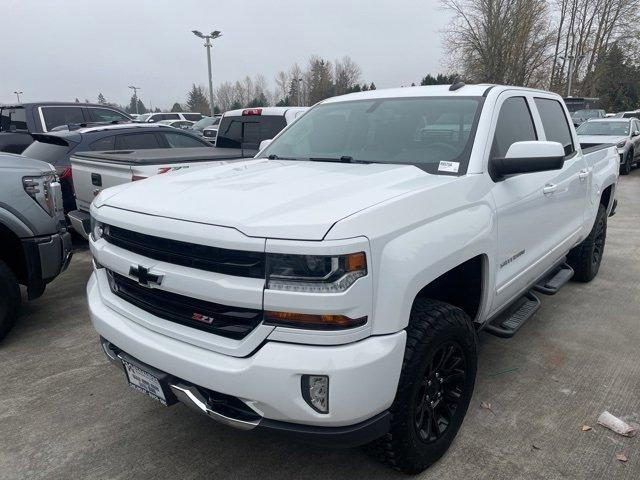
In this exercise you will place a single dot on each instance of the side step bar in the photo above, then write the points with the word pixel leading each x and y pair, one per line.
pixel 555 280
pixel 507 323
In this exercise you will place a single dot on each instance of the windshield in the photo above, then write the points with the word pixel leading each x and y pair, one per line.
pixel 428 132
pixel 604 128
pixel 206 122
pixel 586 114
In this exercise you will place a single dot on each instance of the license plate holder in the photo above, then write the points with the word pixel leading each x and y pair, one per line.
pixel 148 381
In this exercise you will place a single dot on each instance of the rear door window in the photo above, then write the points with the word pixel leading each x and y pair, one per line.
pixel 554 122
pixel 13 119
pixel 178 140
pixel 107 115
pixel 194 117
pixel 137 141
pixel 104 144
pixel 515 124
pixel 57 116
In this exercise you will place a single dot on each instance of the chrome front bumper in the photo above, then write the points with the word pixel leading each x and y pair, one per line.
pixel 185 393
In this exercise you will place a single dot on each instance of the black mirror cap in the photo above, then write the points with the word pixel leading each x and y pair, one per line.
pixel 500 168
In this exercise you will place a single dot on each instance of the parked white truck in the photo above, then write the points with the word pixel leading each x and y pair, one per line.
pixel 333 286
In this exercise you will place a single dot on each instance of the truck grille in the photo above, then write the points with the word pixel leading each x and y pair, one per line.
pixel 223 320
pixel 212 259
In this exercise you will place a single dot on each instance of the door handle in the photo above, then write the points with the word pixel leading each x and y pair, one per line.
pixel 584 174
pixel 549 188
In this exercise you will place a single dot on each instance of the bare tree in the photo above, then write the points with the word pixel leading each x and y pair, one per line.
pixel 586 30
pixel 347 74
pixel 500 41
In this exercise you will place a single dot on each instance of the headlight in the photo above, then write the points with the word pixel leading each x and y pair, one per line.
pixel 43 190
pixel 98 229
pixel 314 273
pixel 621 144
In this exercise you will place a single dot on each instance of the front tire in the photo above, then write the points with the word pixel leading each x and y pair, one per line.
pixel 585 258
pixel 436 383
pixel 9 299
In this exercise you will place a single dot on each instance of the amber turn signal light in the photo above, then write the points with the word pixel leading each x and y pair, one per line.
pixel 314 322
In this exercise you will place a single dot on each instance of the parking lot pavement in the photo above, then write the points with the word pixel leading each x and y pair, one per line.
pixel 66 413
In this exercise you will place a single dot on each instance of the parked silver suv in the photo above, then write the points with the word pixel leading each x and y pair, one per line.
pixel 36 246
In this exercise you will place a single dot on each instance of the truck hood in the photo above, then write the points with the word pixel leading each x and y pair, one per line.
pixel 270 198
pixel 601 138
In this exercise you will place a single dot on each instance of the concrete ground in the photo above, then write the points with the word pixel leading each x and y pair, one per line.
pixel 66 413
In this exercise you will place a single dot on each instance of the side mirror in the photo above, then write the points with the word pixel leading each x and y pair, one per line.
pixel 635 133
pixel 264 144
pixel 527 157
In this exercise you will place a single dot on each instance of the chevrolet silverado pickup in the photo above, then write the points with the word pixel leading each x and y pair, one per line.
pixel 332 287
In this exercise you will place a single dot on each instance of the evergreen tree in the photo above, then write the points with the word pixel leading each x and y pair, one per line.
pixel 620 90
pixel 372 86
pixel 176 107
pixel 197 100
pixel 259 101
pixel 101 99
pixel 77 101
pixel 440 79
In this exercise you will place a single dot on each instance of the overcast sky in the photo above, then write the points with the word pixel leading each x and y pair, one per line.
pixel 63 49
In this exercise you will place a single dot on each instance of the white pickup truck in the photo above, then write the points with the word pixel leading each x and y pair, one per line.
pixel 333 286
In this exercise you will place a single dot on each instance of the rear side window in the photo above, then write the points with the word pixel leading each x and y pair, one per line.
pixel 53 152
pixel 56 116
pixel 234 131
pixel 177 140
pixel 107 115
pixel 138 141
pixel 13 119
pixel 554 122
pixel 514 125
pixel 194 117
pixel 104 144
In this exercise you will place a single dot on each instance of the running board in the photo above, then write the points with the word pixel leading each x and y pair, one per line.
pixel 506 324
pixel 555 280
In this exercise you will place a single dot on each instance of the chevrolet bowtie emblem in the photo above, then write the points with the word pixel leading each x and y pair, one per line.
pixel 144 278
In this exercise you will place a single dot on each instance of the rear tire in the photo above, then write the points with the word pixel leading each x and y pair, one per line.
pixel 585 258
pixel 9 299
pixel 436 383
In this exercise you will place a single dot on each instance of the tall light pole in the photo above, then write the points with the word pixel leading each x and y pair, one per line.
pixel 207 43
pixel 299 80
pixel 18 95
pixel 135 95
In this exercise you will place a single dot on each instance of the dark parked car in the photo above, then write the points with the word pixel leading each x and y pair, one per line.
pixel 56 147
pixel 18 122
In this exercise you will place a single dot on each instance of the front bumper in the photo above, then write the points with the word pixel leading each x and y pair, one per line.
pixel 81 222
pixel 216 407
pixel 363 375
pixel 47 257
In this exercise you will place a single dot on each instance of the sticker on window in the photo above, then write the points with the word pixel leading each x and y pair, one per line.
pixel 448 166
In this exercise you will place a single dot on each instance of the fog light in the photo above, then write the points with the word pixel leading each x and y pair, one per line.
pixel 315 391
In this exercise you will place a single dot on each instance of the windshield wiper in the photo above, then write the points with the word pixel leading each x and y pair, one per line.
pixel 343 159
pixel 273 156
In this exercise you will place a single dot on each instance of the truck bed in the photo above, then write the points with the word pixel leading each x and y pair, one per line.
pixel 95 171
pixel 162 155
